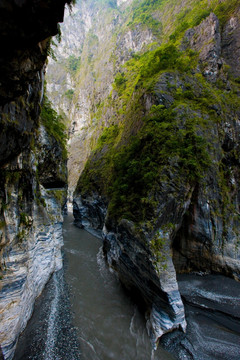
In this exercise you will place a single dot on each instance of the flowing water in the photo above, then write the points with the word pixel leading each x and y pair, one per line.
pixel 84 313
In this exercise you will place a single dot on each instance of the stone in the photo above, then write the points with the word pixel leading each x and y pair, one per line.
pixel 206 39
pixel 231 43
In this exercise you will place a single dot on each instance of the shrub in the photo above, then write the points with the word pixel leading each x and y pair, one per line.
pixel 54 124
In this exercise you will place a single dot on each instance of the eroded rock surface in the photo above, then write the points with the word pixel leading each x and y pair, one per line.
pixel 31 241
pixel 212 313
pixel 153 283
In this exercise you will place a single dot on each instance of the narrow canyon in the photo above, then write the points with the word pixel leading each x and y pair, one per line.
pixel 126 113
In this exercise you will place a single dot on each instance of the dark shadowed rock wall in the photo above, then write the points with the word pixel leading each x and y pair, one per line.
pixel 30 159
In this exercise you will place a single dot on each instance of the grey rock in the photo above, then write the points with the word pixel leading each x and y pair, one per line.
pixel 89 213
pixel 231 43
pixel 154 285
pixel 212 313
pixel 152 282
pixel 206 39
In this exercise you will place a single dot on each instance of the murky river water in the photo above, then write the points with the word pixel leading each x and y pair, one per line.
pixel 84 313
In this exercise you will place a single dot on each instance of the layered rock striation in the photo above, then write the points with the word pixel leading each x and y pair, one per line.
pixel 31 241
pixel 31 162
pixel 212 313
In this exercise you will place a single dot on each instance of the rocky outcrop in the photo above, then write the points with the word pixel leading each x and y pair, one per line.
pixel 206 39
pixel 24 43
pixel 52 172
pixel 30 212
pixel 231 43
pixel 19 120
pixel 142 261
pixel 151 280
pixel 90 213
pixel 208 239
pixel 31 239
pixel 212 313
pixel 216 48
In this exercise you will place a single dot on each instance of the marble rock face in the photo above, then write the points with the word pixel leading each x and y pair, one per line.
pixel 29 257
pixel 31 240
pixel 152 281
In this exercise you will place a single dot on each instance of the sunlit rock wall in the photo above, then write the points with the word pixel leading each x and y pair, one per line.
pixel 95 44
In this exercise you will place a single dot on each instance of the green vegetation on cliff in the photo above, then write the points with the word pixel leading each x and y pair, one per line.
pixel 165 110
pixel 142 71
pixel 54 124
pixel 130 173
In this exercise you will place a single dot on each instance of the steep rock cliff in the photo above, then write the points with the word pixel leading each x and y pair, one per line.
pixel 30 213
pixel 96 42
pixel 31 241
pixel 163 180
pixel 209 234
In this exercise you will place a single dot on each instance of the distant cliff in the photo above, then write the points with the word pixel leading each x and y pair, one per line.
pixel 95 43
pixel 159 115
pixel 33 174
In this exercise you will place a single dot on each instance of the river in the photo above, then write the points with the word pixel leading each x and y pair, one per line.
pixel 84 313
